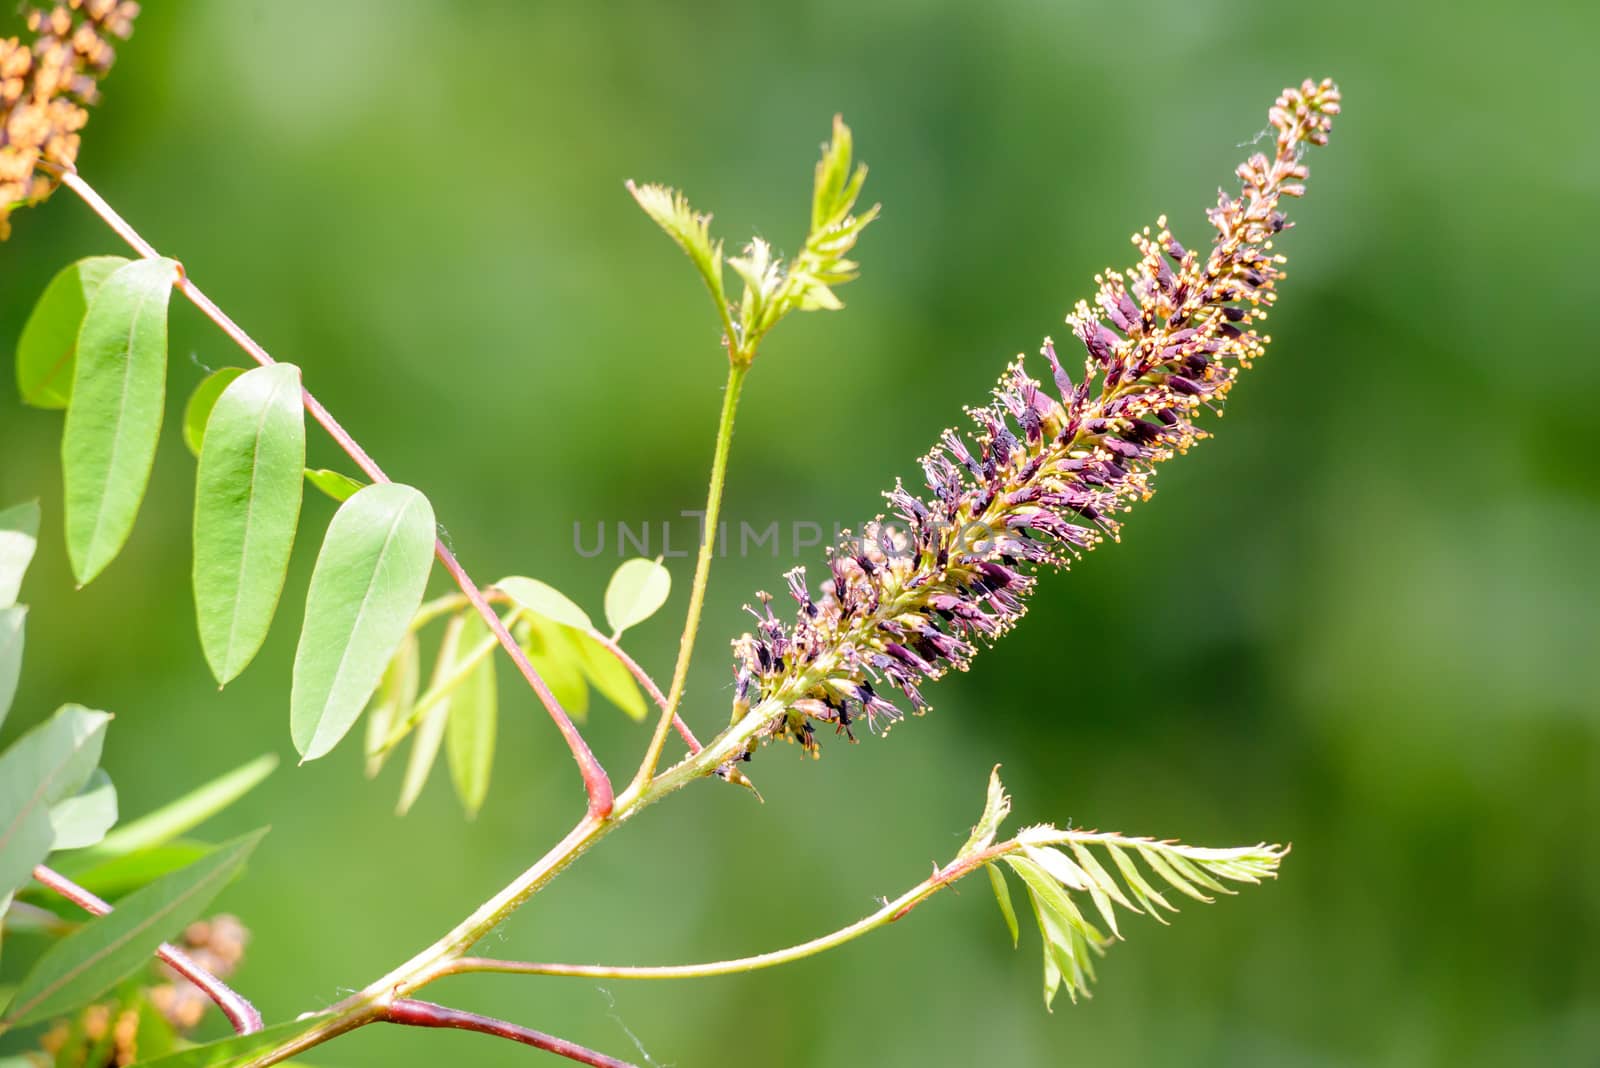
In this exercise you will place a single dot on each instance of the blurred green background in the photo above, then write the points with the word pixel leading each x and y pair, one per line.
pixel 1362 620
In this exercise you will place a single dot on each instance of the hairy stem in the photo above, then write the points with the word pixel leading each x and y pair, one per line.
pixel 426 1014
pixel 240 1013
pixel 596 783
pixel 738 368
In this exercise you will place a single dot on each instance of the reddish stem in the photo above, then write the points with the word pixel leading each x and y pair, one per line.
pixel 595 781
pixel 413 1013
pixel 650 686
pixel 240 1013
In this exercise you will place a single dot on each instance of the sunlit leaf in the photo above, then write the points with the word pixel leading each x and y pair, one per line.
pixel 13 626
pixel 84 818
pixel 19 537
pixel 995 810
pixel 236 1050
pixel 246 508
pixel 113 876
pixel 110 948
pixel 555 657
pixel 396 697
pixel 204 398
pixel 545 600
pixel 691 230
pixel 114 420
pixel 46 765
pixel 429 734
pixel 608 674
pixel 470 738
pixel 1002 894
pixel 335 484
pixel 49 339
pixel 189 811
pixel 637 590
pixel 367 584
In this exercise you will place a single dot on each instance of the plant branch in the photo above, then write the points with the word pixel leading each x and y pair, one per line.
pixel 889 913
pixel 738 368
pixel 426 1014
pixel 240 1013
pixel 639 673
pixel 596 783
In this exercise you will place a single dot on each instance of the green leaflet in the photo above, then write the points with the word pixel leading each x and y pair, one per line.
pixel 19 537
pixel 201 401
pixel 397 696
pixel 187 812
pixel 49 341
pixel 607 674
pixel 114 420
pixel 429 734
pixel 84 818
pixel 113 876
pixel 246 508
pixel 470 735
pixel 1002 894
pixel 637 590
pixel 48 764
pixel 367 584
pixel 340 487
pixel 236 1050
pixel 108 949
pixel 553 655
pixel 13 622
pixel 543 599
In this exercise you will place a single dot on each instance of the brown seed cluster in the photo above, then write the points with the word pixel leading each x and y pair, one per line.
pixel 45 87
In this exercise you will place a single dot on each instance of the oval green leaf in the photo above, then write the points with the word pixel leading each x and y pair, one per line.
pixel 201 401
pixel 49 340
pixel 84 818
pixel 474 710
pixel 366 586
pixel 13 621
pixel 545 600
pixel 48 764
pixel 637 590
pixel 337 485
pixel 19 536
pixel 114 421
pixel 246 508
pixel 108 949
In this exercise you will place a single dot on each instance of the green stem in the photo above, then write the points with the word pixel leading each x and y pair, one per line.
pixel 889 913
pixel 371 1004
pixel 738 367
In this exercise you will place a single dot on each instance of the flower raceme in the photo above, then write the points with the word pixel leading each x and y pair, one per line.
pixel 1046 475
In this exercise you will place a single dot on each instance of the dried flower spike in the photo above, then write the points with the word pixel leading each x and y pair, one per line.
pixel 45 88
pixel 1045 476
